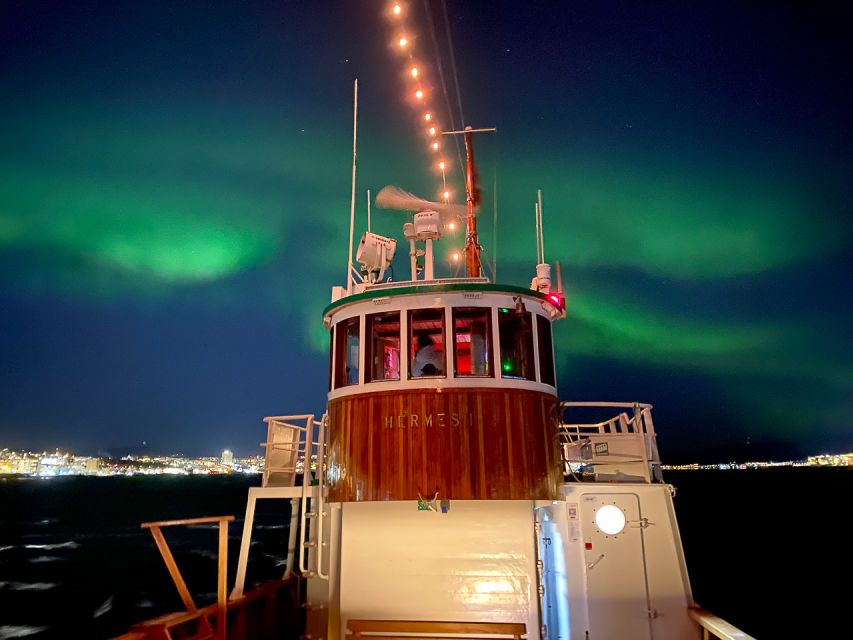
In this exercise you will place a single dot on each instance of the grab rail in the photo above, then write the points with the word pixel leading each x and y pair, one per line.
pixel 715 625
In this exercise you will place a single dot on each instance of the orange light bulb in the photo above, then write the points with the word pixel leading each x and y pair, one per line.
pixel 427 116
pixel 414 72
pixel 435 146
pixel 441 165
pixel 455 256
pixel 446 195
pixel 396 10
pixel 419 94
pixel 432 131
pixel 403 42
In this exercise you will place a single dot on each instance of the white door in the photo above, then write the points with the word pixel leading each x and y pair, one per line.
pixel 617 587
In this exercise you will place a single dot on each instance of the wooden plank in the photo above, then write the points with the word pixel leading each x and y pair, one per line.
pixel 177 578
pixel 221 580
pixel 371 627
pixel 716 625
pixel 172 523
pixel 377 635
pixel 464 443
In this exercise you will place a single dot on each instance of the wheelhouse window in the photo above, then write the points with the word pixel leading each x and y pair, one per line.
pixel 516 337
pixel 426 343
pixel 383 347
pixel 546 351
pixel 472 341
pixel 346 352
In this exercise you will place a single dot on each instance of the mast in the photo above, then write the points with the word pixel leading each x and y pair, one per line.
pixel 473 266
pixel 472 246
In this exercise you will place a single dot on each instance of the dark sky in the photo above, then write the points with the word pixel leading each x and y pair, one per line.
pixel 174 205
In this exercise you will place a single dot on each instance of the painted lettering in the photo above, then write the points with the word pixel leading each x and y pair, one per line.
pixel 413 420
pixel 454 419
pixel 428 420
pixel 440 419
pixel 389 422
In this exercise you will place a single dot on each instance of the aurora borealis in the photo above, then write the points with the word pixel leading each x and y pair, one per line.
pixel 174 202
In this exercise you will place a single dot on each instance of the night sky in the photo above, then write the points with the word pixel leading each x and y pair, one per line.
pixel 174 207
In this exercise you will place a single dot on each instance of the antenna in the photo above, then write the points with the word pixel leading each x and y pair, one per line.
pixel 368 209
pixel 352 196
pixel 559 279
pixel 541 230
pixel 536 219
pixel 542 281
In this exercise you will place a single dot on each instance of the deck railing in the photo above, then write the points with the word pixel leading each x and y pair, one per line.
pixel 715 627
pixel 623 446
pixel 271 611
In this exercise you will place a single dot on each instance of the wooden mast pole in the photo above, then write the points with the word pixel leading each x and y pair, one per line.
pixel 472 246
pixel 473 266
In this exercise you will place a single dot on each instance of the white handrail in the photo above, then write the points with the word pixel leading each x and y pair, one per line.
pixel 306 473
pixel 321 474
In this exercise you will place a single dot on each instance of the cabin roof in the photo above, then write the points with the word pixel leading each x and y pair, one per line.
pixel 402 289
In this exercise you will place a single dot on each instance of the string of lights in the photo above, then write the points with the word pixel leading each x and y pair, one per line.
pixel 419 94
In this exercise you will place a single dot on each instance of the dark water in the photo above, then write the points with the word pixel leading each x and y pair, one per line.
pixel 765 549
pixel 73 558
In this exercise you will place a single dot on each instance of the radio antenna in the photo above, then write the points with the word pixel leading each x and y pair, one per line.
pixel 352 196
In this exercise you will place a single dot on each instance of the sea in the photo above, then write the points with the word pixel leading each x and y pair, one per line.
pixel 765 548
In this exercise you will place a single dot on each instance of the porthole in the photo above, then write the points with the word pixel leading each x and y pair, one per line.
pixel 610 519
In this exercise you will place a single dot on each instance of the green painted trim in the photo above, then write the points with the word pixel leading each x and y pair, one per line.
pixel 428 288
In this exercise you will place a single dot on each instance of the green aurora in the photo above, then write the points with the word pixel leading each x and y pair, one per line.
pixel 673 263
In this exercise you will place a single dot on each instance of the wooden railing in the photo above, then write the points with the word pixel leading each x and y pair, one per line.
pixel 204 630
pixel 715 627
pixel 271 611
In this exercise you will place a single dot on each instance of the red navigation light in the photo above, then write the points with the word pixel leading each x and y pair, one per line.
pixel 558 300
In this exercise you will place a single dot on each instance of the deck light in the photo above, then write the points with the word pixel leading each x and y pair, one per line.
pixel 427 116
pixel 558 300
pixel 419 94
pixel 396 10
pixel 441 165
pixel 435 146
pixel 414 72
pixel 432 131
pixel 403 42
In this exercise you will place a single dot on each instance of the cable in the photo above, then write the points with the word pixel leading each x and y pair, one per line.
pixel 444 86
pixel 453 61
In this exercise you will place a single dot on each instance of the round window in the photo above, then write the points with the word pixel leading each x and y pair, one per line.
pixel 610 519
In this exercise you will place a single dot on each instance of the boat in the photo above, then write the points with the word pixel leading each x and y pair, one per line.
pixel 446 491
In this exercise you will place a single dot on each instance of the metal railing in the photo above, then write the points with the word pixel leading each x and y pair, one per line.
pixel 290 443
pixel 632 434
